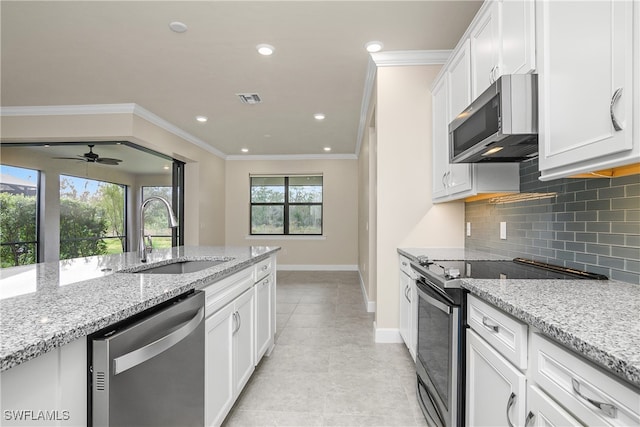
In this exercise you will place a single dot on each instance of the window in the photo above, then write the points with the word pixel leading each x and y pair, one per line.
pixel 286 205
pixel 155 216
pixel 92 217
pixel 18 216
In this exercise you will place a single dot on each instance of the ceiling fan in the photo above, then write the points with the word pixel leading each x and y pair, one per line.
pixel 92 157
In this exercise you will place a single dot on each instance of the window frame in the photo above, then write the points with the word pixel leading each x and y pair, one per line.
pixel 286 205
pixel 38 248
pixel 125 227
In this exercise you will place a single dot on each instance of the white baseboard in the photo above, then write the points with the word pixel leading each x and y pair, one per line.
pixel 368 304
pixel 316 267
pixel 387 335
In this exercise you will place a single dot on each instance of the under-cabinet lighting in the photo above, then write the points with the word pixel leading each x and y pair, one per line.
pixel 520 197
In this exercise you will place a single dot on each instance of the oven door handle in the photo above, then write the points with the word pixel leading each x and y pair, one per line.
pixel 434 302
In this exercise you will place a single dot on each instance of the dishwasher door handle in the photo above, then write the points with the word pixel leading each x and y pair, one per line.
pixel 142 354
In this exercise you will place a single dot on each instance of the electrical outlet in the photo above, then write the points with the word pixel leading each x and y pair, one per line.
pixel 468 229
pixel 503 230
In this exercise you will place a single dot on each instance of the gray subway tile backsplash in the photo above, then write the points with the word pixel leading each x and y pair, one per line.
pixel 592 224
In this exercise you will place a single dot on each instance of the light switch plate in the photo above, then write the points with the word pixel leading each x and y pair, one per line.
pixel 503 230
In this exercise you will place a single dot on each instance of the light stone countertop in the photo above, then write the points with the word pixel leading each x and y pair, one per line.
pixel 47 305
pixel 598 319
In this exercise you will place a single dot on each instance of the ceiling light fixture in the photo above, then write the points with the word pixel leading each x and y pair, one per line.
pixel 265 49
pixel 244 150
pixel 319 116
pixel 327 148
pixel 201 119
pixel 178 27
pixel 166 167
pixel 374 46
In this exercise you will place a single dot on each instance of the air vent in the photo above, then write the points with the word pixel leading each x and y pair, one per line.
pixel 100 381
pixel 249 98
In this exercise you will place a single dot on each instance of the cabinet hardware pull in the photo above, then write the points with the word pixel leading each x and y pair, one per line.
pixel 487 324
pixel 530 417
pixel 608 409
pixel 404 263
pixel 510 403
pixel 236 320
pixel 444 176
pixel 239 320
pixel 614 100
pixel 264 267
pixel 406 293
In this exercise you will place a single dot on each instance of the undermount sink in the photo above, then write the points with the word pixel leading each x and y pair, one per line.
pixel 182 267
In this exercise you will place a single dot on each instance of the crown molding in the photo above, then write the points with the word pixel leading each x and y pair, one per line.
pixel 247 157
pixel 135 109
pixel 410 57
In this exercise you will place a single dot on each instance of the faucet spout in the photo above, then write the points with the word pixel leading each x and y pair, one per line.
pixel 173 222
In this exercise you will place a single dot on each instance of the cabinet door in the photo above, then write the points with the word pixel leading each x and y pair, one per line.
pixel 459 98
pixel 517 40
pixel 405 309
pixel 542 411
pixel 243 340
pixel 440 138
pixel 496 390
pixel 585 83
pixel 264 332
pixel 218 368
pixel 484 48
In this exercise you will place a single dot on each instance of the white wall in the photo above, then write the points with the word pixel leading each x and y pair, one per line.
pixel 337 249
pixel 406 217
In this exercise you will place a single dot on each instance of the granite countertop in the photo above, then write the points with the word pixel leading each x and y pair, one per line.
pixel 47 305
pixel 597 319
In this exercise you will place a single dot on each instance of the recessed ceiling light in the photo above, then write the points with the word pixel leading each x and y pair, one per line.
pixel 166 167
pixel 374 46
pixel 327 148
pixel 178 27
pixel 47 145
pixel 244 150
pixel 265 49
pixel 319 116
pixel 201 119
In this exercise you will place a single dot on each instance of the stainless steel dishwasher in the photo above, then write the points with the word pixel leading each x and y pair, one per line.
pixel 150 372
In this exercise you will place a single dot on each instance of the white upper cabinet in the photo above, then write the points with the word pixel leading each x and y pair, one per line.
pixel 502 42
pixel 586 71
pixel 452 92
pixel 484 38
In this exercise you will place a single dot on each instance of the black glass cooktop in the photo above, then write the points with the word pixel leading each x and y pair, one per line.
pixel 517 268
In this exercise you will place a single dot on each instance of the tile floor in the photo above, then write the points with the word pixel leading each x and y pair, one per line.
pixel 326 369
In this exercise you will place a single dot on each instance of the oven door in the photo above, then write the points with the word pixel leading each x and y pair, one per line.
pixel 438 352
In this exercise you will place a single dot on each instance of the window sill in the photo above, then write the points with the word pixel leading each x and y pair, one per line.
pixel 284 237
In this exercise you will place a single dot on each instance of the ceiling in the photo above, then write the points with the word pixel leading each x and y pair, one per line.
pixel 108 52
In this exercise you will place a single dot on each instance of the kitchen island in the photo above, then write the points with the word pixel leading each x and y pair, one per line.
pixel 47 310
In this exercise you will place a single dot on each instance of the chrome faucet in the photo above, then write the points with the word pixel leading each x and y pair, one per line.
pixel 173 222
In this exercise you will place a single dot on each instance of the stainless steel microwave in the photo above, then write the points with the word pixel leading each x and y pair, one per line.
pixel 501 125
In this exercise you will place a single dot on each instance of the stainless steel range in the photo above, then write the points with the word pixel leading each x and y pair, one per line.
pixel 440 358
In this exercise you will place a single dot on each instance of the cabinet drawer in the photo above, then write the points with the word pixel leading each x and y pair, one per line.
pixel 263 269
pixel 220 293
pixel 573 381
pixel 405 266
pixel 505 333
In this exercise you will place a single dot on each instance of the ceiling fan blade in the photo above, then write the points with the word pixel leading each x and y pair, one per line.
pixel 108 161
pixel 81 158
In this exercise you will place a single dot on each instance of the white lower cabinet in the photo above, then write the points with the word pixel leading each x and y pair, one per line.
pixel 545 412
pixel 218 385
pixel 229 356
pixel 408 307
pixel 264 312
pixel 496 390
pixel 49 390
pixel 553 387
pixel 593 396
